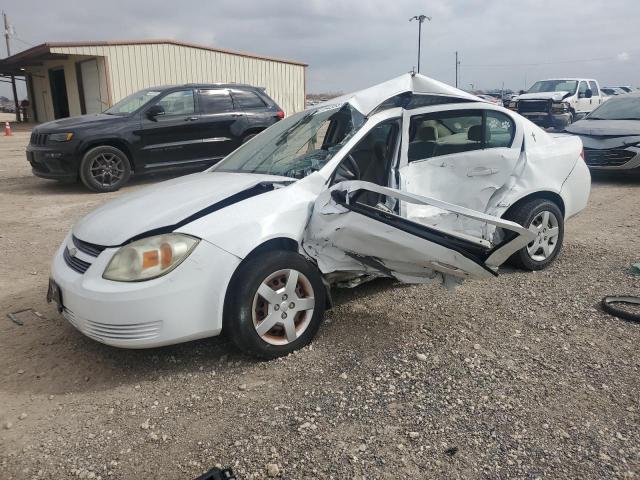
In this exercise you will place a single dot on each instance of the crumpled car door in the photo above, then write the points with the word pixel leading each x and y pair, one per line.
pixel 467 178
pixel 349 235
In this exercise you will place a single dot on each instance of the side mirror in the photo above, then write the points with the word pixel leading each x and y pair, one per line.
pixel 155 111
pixel 588 93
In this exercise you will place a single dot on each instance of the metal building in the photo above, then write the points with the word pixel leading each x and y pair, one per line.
pixel 66 79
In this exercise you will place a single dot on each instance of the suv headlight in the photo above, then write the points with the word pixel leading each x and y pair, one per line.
pixel 60 137
pixel 513 105
pixel 150 257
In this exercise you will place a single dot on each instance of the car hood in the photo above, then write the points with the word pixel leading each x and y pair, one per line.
pixel 605 128
pixel 555 96
pixel 168 205
pixel 78 122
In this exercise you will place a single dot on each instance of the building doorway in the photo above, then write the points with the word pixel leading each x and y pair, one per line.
pixel 59 93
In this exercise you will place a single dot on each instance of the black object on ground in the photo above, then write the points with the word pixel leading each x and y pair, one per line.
pixel 218 474
pixel 609 305
pixel 451 451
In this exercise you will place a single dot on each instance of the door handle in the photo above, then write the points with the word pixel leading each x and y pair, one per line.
pixel 480 171
pixel 191 119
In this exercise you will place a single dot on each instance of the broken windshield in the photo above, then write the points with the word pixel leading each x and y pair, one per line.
pixel 297 146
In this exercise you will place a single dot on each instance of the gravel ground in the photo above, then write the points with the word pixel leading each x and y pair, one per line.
pixel 519 377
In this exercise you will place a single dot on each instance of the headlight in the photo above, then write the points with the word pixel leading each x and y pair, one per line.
pixel 150 257
pixel 513 105
pixel 60 137
pixel 559 107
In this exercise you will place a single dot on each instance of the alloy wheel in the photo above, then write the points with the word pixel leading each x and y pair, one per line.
pixel 545 226
pixel 283 307
pixel 107 169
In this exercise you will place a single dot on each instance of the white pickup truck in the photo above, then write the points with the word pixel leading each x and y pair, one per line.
pixel 558 102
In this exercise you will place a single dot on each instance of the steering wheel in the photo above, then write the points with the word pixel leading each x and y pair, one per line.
pixel 349 168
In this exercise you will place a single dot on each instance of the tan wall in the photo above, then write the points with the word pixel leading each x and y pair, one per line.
pixel 133 67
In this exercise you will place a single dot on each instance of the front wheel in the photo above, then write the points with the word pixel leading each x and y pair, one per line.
pixel 545 219
pixel 105 169
pixel 275 304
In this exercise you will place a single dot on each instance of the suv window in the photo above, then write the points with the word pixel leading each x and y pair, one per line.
pixel 582 89
pixel 214 101
pixel 178 103
pixel 594 88
pixel 444 133
pixel 247 100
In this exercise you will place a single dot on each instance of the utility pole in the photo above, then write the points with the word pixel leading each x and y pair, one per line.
pixel 13 79
pixel 420 19
pixel 457 67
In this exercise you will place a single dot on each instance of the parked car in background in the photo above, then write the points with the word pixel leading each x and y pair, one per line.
pixel 613 91
pixel 490 98
pixel 165 128
pixel 349 190
pixel 611 135
pixel 557 103
pixel 625 88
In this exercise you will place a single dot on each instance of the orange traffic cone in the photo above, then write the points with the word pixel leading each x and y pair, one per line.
pixel 7 129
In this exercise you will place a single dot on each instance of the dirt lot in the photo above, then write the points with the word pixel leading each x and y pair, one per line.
pixel 520 377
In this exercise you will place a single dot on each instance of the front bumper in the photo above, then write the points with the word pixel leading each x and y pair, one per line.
pixel 56 163
pixel 183 305
pixel 613 159
pixel 548 120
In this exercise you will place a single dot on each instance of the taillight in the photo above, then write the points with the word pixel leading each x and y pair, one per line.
pixel 280 114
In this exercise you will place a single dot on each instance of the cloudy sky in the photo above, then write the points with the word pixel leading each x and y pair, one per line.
pixel 350 44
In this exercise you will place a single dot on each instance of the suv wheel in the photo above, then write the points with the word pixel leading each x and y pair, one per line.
pixel 275 304
pixel 105 169
pixel 545 219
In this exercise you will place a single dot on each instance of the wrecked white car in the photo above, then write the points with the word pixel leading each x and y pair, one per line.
pixel 410 179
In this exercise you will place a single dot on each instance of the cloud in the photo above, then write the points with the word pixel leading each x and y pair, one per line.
pixel 623 57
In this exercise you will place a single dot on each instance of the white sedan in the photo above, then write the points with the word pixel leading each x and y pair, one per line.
pixel 410 179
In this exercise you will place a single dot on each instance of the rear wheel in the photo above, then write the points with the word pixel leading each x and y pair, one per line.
pixel 545 219
pixel 276 304
pixel 249 136
pixel 105 169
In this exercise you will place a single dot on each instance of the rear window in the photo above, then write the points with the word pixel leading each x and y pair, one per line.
pixel 244 100
pixel 214 101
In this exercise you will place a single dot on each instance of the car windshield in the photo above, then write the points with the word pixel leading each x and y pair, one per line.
pixel 297 146
pixel 133 102
pixel 618 108
pixel 554 86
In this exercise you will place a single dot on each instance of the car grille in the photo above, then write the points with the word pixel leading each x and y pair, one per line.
pixel 613 157
pixel 106 331
pixel 88 248
pixel 38 138
pixel 75 263
pixel 526 106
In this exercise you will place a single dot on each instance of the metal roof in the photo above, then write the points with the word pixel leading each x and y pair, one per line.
pixel 39 53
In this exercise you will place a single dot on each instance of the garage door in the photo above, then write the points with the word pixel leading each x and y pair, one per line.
pixel 91 86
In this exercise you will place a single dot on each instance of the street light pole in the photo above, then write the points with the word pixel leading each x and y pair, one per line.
pixel 13 79
pixel 420 19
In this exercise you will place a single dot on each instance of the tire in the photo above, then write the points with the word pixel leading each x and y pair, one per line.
pixel 105 169
pixel 246 309
pixel 529 214
pixel 249 137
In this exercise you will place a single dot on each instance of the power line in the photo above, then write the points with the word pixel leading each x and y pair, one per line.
pixel 22 41
pixel 536 64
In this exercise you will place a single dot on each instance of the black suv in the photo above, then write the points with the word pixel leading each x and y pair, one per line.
pixel 188 126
